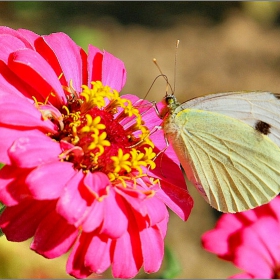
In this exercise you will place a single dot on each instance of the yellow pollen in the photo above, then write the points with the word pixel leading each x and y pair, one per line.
pixel 130 111
pixel 154 181
pixel 60 76
pixel 137 160
pixel 144 137
pixel 66 109
pixel 121 162
pixel 95 96
pixel 149 156
pixel 93 125
pixel 99 141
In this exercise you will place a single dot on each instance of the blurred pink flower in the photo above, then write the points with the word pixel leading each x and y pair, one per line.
pixel 250 239
pixel 79 172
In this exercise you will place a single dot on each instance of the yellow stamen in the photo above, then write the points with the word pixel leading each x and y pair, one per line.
pixel 99 141
pixel 121 162
pixel 149 156
pixel 137 160
pixel 93 125
pixel 66 109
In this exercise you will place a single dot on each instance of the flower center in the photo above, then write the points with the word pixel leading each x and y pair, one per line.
pixel 101 131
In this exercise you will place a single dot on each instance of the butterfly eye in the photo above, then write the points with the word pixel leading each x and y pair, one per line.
pixel 169 99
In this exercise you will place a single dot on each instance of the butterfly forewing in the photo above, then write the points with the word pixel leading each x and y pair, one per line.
pixel 250 107
pixel 234 165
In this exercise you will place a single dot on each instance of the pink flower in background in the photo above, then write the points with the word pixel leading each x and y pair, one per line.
pixel 251 240
pixel 79 173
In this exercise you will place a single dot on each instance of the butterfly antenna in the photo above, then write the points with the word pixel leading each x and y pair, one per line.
pixel 175 63
pixel 164 76
pixel 161 75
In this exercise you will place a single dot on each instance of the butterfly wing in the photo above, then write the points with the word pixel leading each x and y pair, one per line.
pixel 249 107
pixel 233 165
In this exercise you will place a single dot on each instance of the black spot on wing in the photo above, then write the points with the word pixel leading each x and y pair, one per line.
pixel 263 127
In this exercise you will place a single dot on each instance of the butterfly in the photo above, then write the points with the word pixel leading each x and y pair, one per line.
pixel 228 145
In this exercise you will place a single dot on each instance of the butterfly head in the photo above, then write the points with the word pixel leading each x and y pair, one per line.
pixel 171 102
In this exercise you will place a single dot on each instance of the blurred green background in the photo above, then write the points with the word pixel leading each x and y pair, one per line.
pixel 225 46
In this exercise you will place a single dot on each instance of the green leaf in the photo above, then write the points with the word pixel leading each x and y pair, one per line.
pixel 172 266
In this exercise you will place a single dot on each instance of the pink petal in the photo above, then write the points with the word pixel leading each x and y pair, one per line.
pixel 95 57
pixel 150 118
pixel 176 198
pixel 216 241
pixel 163 226
pixel 242 276
pixel 8 136
pixel 272 208
pixel 93 217
pixel 27 152
pixel 149 207
pixel 224 239
pixel 11 84
pixel 36 72
pixel 28 35
pixel 71 58
pixel 9 44
pixel 17 111
pixel 47 53
pixel 54 236
pixel 259 252
pixel 12 185
pixel 113 205
pixel 115 221
pixel 97 257
pixel 113 72
pixel 152 248
pixel 10 31
pixel 71 198
pixel 20 222
pixel 169 172
pixel 78 193
pixel 156 210
pixel 134 197
pixel 127 258
pixel 173 187
pixel 149 115
pixel 169 156
pixel 97 182
pixel 48 180
pixel 75 264
pixel 108 208
pixel 232 222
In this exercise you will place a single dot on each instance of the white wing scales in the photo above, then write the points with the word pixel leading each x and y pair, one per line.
pixel 249 107
pixel 233 166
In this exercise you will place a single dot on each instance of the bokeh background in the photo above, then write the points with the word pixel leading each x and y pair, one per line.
pixel 224 46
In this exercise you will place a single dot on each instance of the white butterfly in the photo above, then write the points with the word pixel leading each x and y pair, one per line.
pixel 228 144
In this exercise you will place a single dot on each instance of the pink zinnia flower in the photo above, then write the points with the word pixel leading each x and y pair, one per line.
pixel 79 172
pixel 250 239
